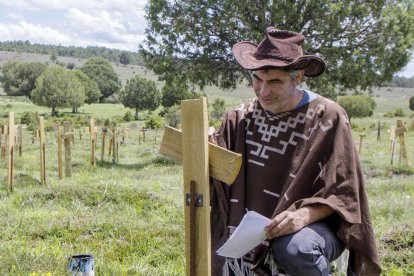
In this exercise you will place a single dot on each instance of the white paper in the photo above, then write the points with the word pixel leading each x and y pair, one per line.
pixel 249 234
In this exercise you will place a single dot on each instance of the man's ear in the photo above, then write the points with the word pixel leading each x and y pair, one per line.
pixel 299 77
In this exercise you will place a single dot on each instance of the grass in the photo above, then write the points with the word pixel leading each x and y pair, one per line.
pixel 129 214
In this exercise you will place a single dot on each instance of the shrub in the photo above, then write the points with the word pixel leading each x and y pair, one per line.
pixel 218 108
pixel 153 121
pixel 128 117
pixel 358 106
pixel 28 118
pixel 173 116
pixel 399 112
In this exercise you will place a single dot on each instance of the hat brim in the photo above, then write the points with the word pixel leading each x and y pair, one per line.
pixel 244 52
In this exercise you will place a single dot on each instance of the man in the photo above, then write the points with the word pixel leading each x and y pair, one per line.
pixel 300 168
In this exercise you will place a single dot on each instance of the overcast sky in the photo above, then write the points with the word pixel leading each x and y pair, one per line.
pixel 116 24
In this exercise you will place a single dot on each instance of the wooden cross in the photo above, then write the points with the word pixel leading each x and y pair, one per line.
pixel 92 130
pixel 42 150
pixel 200 159
pixel 361 138
pixel 9 131
pixel 399 131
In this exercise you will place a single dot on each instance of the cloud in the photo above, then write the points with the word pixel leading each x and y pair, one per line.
pixel 34 33
pixel 16 16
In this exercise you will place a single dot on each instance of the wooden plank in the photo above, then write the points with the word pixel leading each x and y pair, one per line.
pixel 195 168
pixel 60 159
pixel 92 141
pixel 42 150
pixel 10 152
pixel 224 165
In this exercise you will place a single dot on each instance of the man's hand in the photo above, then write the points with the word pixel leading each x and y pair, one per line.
pixel 289 222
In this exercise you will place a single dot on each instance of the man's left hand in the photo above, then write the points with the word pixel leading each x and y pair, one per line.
pixel 289 222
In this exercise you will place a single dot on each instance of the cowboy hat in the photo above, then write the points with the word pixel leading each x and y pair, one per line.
pixel 280 49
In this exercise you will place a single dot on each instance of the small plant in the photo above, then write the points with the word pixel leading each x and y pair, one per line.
pixel 128 117
pixel 173 116
pixel 218 108
pixel 153 121
pixel 28 118
pixel 399 112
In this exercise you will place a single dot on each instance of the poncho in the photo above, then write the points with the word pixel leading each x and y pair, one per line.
pixel 291 160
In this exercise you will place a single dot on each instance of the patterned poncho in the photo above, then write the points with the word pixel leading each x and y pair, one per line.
pixel 291 160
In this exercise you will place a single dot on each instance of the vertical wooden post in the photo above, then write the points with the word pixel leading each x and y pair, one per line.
pixel 59 142
pixel 10 152
pixel 104 130
pixel 20 130
pixel 196 186
pixel 93 141
pixel 379 132
pixel 361 138
pixel 68 158
pixel 143 134
pixel 399 131
pixel 42 150
pixel 2 145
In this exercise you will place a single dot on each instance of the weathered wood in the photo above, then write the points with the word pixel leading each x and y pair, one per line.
pixel 361 138
pixel 68 157
pixel 10 152
pixel 42 150
pixel 104 131
pixel 195 164
pixel 59 142
pixel 224 165
pixel 92 141
pixel 20 135
pixel 399 131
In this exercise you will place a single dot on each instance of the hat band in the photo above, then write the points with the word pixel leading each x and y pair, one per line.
pixel 272 56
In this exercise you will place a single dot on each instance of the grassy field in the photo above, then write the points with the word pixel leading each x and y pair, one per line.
pixel 129 214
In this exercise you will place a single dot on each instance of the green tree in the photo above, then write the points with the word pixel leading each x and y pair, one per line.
pixel 53 57
pixel 19 77
pixel 218 108
pixel 173 92
pixel 100 71
pixel 124 58
pixel 140 94
pixel 363 42
pixel 92 92
pixel 412 103
pixel 357 106
pixel 58 87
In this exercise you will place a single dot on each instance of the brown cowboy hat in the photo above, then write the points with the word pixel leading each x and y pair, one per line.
pixel 280 49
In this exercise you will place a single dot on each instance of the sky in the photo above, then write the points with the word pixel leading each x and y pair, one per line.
pixel 118 24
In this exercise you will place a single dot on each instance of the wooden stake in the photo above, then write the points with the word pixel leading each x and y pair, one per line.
pixel 92 141
pixel 42 150
pixel 10 152
pixel 67 140
pixel 379 132
pixel 361 137
pixel 399 131
pixel 59 142
pixel 104 130
pixel 195 163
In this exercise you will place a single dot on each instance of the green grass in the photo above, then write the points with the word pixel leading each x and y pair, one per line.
pixel 129 215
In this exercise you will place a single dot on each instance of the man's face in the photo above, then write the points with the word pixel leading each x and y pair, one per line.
pixel 275 89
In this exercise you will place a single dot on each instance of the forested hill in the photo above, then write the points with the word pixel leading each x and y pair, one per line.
pixel 112 55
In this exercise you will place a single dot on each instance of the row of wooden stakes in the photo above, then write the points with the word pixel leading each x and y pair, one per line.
pixel 13 138
pixel 396 132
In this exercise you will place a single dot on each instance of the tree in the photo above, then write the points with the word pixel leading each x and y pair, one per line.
pixel 357 106
pixel 124 58
pixel 218 108
pixel 139 94
pixel 412 103
pixel 53 57
pixel 173 92
pixel 58 87
pixel 92 92
pixel 100 71
pixel 363 42
pixel 19 77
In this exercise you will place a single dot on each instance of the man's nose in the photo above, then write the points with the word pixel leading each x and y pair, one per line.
pixel 265 90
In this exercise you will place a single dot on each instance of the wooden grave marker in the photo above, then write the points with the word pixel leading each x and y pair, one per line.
pixel 67 136
pixel 9 131
pixel 104 131
pixel 42 150
pixel 200 159
pixel 361 138
pixel 399 131
pixel 92 130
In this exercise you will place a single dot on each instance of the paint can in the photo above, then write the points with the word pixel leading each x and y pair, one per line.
pixel 81 265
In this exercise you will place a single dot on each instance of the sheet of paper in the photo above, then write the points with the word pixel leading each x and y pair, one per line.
pixel 249 234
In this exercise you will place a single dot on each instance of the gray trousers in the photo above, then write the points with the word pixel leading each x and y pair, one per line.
pixel 308 251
